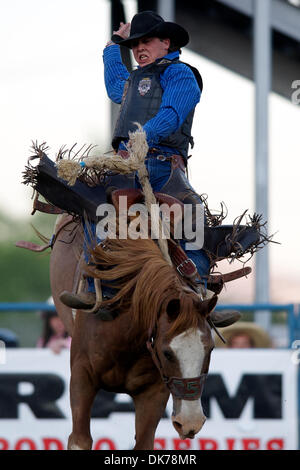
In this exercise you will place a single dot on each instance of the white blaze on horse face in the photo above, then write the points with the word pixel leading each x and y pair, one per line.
pixel 190 352
pixel 188 417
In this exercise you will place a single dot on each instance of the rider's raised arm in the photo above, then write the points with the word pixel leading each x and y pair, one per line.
pixel 115 72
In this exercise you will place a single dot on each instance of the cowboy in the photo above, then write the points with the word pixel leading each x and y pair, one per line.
pixel 161 94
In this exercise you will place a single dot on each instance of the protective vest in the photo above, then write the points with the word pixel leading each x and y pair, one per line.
pixel 141 100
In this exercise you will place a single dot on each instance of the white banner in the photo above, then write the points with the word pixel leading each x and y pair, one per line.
pixel 250 399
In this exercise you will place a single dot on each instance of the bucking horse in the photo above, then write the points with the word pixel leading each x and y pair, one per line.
pixel 160 339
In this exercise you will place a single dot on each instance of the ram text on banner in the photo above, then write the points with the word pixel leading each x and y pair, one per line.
pixel 250 405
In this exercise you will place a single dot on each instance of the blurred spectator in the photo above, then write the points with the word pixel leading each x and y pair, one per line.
pixel 244 335
pixel 54 335
pixel 9 338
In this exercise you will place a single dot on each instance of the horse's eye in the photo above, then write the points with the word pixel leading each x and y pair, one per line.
pixel 168 355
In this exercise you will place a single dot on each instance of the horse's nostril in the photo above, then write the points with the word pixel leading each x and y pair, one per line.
pixel 177 425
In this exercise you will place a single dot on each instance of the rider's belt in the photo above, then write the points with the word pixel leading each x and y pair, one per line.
pixel 177 161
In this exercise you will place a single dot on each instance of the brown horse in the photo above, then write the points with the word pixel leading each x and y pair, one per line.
pixel 159 343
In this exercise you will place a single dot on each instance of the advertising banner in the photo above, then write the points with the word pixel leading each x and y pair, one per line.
pixel 250 400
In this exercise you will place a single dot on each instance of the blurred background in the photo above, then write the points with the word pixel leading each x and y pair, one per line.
pixel 246 127
pixel 246 132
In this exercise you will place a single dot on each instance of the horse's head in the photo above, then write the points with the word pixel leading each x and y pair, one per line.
pixel 182 355
pixel 162 305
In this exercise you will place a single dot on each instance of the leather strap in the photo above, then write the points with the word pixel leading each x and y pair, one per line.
pixel 39 248
pixel 32 246
pixel 45 207
pixel 182 388
pixel 184 265
pixel 222 278
pixel 187 389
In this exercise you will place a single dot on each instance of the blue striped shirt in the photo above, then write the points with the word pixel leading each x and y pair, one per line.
pixel 181 94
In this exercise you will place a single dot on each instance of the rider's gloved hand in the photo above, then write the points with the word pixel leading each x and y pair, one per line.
pixel 121 33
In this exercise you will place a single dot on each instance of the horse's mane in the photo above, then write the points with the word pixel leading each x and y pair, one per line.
pixel 146 283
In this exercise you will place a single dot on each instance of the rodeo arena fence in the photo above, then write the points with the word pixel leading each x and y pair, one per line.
pixel 251 397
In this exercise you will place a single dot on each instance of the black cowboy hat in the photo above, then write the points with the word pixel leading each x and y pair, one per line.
pixel 150 24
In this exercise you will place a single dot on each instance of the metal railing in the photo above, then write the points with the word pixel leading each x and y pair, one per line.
pixel 292 310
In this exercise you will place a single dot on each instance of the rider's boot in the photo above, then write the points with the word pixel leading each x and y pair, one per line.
pixel 219 319
pixel 81 301
pixel 224 318
pixel 86 301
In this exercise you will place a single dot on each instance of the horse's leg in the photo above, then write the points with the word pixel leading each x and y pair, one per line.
pixel 149 409
pixel 82 394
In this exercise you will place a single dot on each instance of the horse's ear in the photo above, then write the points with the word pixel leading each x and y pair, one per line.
pixel 173 308
pixel 208 305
